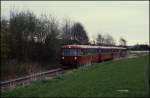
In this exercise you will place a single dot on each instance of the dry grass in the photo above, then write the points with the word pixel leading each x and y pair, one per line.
pixel 11 71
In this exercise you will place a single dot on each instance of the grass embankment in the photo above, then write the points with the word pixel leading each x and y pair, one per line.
pixel 98 80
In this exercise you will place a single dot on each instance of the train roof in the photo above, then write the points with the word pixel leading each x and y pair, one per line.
pixel 89 46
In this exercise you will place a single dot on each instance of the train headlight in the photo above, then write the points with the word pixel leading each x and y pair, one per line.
pixel 62 57
pixel 75 58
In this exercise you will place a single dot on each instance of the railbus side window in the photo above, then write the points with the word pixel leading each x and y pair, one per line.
pixel 89 52
pixel 98 50
pixel 93 50
pixel 78 51
pixel 109 50
pixel 86 52
pixel 101 50
pixel 81 52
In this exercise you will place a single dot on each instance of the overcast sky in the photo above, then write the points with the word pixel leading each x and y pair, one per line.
pixel 127 19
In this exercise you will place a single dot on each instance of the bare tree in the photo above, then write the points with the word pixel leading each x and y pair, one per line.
pixel 109 40
pixel 79 34
pixel 66 29
pixel 99 39
pixel 5 40
pixel 122 42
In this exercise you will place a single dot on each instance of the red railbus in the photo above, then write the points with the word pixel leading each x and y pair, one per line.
pixel 75 55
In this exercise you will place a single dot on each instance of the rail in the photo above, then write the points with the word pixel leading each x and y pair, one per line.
pixel 28 79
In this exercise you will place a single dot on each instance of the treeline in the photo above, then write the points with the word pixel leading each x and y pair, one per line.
pixel 28 38
pixel 108 40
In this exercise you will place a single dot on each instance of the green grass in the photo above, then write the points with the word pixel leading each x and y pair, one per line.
pixel 98 80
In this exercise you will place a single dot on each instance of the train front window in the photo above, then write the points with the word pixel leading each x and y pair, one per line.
pixel 70 52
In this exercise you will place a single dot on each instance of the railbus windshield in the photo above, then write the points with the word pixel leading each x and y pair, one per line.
pixel 70 51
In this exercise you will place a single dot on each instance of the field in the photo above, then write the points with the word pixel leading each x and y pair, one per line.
pixel 98 80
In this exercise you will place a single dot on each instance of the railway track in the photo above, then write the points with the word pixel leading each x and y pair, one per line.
pixel 26 80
